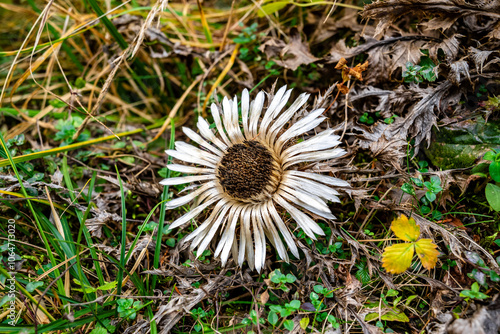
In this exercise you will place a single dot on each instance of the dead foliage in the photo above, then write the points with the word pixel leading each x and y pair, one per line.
pixel 356 66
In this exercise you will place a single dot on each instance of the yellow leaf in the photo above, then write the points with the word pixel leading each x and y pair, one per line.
pixel 397 258
pixel 427 252
pixel 405 229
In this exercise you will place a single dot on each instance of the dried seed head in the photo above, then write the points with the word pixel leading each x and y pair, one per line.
pixel 248 172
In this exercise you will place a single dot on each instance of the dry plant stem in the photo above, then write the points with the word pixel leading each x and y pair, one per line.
pixel 206 73
pixel 174 110
pixel 231 13
pixel 324 16
pixel 76 197
pixel 32 67
pixel 60 229
pixel 335 99
pixel 74 97
pixel 104 91
pixel 246 14
pixel 48 288
pixel 365 221
pixel 346 106
pixel 270 20
pixel 373 240
pixel 157 8
pixel 25 243
pixel 141 256
pixel 179 19
pixel 330 12
pixel 10 73
pixel 63 263
pixel 219 78
pixel 216 319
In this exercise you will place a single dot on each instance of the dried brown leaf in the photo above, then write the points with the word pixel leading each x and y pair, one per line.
pixel 385 56
pixel 443 13
pixel 422 116
pixel 386 146
pixel 96 223
pixel 458 69
pixel 479 57
pixel 292 54
pixel 450 47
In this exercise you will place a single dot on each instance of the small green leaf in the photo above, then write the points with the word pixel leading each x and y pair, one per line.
pixel 409 299
pixel 493 196
pixel 435 180
pixel 437 215
pixel 393 316
pixel 495 171
pixel 314 296
pixel 80 83
pixel 276 276
pixel 494 276
pixel 273 318
pixel 290 278
pixel 363 274
pixel 31 286
pixel 295 304
pixel 425 209
pixel 275 308
pixel 163 172
pixel 318 289
pixel 285 312
pixel 490 156
pixel 392 293
pixel 408 188
pixel 19 139
pixel 431 197
pixel 474 292
pixel 6 299
pixel 331 319
pixel 418 182
pixel 288 324
pixel 371 316
pixel 108 286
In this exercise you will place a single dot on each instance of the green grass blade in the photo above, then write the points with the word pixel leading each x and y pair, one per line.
pixel 161 222
pixel 37 155
pixel 60 286
pixel 141 229
pixel 26 293
pixel 108 24
pixel 79 214
pixel 119 277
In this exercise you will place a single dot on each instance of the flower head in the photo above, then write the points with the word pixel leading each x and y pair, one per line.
pixel 246 173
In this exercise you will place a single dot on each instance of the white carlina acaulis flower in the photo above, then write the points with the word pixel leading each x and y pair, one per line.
pixel 248 172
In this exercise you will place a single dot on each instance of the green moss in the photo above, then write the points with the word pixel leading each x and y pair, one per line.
pixel 461 144
pixel 449 156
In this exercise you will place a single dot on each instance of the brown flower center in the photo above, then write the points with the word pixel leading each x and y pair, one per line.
pixel 248 172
